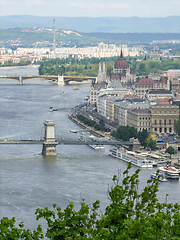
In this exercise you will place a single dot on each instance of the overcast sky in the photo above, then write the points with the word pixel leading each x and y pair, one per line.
pixel 91 8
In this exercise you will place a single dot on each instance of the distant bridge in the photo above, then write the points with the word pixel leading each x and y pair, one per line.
pixel 60 80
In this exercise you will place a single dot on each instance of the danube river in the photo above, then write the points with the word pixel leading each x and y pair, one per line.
pixel 29 180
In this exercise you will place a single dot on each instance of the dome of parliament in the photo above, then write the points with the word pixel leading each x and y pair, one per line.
pixel 121 63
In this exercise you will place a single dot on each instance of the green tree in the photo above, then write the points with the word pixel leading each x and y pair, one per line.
pixel 142 137
pixel 130 215
pixel 152 144
pixel 170 150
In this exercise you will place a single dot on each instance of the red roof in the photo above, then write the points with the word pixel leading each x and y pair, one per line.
pixel 145 81
pixel 163 100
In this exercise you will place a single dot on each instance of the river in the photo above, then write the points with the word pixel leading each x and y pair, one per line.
pixel 29 180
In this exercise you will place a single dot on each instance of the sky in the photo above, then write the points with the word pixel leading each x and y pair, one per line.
pixel 91 8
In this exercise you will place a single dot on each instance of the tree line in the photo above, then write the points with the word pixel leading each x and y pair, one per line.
pixel 97 126
pixel 145 138
pixel 89 66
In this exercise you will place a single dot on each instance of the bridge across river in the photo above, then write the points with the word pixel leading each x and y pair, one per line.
pixel 49 142
pixel 60 80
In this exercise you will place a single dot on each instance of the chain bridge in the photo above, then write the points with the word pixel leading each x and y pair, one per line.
pixel 60 80
pixel 46 137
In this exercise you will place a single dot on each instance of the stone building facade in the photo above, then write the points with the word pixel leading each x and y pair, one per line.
pixel 163 117
pixel 139 119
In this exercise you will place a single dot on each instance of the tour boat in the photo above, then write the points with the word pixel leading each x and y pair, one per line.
pixel 161 177
pixel 170 172
pixel 129 156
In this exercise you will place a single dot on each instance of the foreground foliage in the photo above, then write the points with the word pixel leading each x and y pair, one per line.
pixel 130 215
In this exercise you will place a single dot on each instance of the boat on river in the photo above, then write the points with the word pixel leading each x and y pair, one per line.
pixel 160 178
pixel 136 159
pixel 51 109
pixel 170 172
pixel 75 88
pixel 97 146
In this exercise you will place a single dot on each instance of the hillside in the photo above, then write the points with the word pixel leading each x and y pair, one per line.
pixel 169 24
pixel 43 37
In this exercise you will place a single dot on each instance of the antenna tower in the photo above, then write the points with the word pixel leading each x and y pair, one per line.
pixel 54 40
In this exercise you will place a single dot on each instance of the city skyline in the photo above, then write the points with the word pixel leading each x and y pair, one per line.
pixel 84 8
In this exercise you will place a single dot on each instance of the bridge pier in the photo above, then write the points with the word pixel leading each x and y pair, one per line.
pixel 20 80
pixel 49 144
pixel 60 80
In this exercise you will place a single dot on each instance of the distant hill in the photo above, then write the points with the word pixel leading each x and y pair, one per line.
pixel 169 24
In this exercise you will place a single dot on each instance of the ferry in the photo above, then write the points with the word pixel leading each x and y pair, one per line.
pixel 170 172
pixel 161 178
pixel 136 159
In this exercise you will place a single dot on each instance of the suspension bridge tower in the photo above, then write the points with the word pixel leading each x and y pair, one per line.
pixel 49 144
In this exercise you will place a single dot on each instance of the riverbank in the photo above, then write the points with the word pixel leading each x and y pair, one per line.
pixel 16 67
pixel 72 117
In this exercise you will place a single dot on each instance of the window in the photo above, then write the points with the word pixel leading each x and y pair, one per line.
pixel 169 121
pixel 160 121
pixel 170 112
pixel 174 112
pixel 164 121
pixel 160 112
pixel 155 122
pixel 164 112
pixel 155 112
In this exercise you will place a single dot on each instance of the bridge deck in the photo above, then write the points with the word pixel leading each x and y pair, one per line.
pixel 64 142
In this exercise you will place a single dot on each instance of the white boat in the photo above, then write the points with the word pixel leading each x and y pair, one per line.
pixel 161 177
pixel 51 109
pixel 97 146
pixel 170 172
pixel 135 158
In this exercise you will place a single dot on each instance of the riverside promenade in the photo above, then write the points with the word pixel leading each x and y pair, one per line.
pixel 77 110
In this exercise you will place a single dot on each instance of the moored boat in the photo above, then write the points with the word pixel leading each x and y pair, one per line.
pixel 97 146
pixel 170 172
pixel 161 177
pixel 135 158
